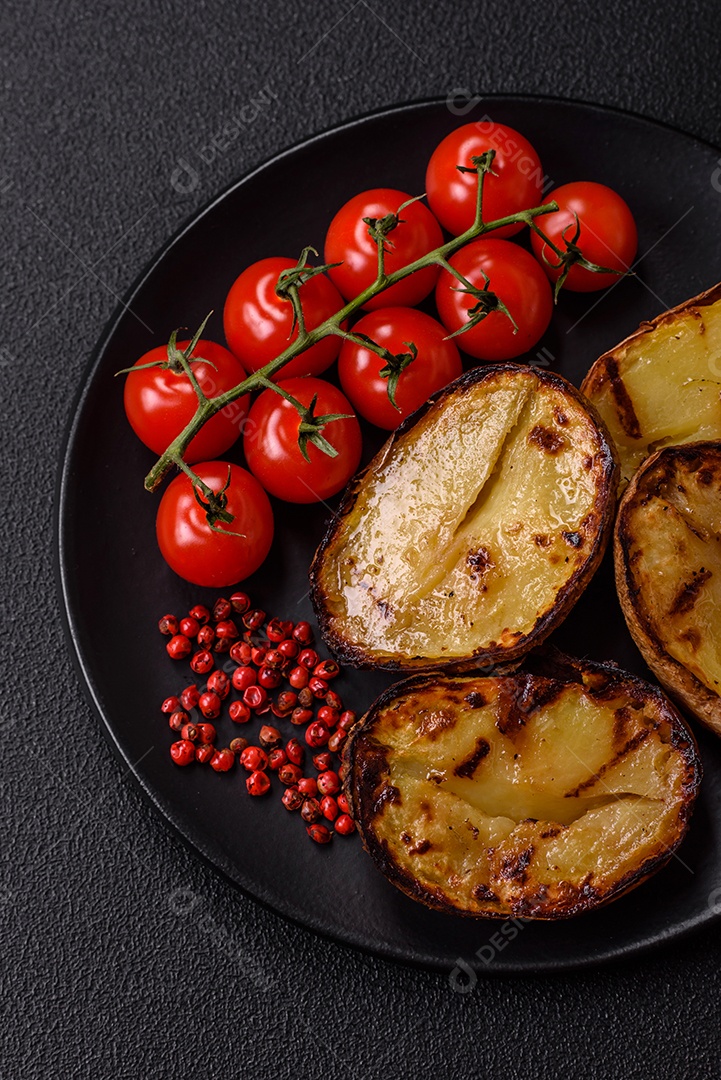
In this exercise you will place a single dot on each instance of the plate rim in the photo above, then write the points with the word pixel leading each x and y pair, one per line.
pixel 500 966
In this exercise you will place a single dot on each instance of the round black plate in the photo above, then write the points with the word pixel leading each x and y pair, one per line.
pixel 109 564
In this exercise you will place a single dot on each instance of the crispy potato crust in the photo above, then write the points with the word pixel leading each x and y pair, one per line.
pixel 667 552
pixel 661 386
pixel 537 796
pixel 473 531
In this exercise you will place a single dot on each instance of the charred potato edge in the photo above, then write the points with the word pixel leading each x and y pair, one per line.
pixel 671 673
pixel 565 598
pixel 605 368
pixel 551 663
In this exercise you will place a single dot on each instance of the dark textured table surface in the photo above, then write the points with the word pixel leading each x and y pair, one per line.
pixel 119 121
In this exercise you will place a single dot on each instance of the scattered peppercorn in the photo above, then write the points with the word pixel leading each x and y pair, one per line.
pixel 336 740
pixel 319 833
pixel 206 637
pixel 277 758
pixel 328 782
pixel 240 602
pixel 182 752
pixel 345 825
pixel 303 633
pixel 266 654
pixel 177 720
pixel 222 609
pixel 317 734
pixel 239 712
pixel 179 647
pixel 329 808
pixel 189 697
pixel 295 751
pixel 308 786
pixel 310 810
pixel 254 759
pixel 168 625
pixel 243 677
pixel 292 799
pixel 226 629
pixel 201 613
pixel 202 662
pixel 209 704
pixel 223 760
pixel 189 626
pixel 290 774
pixel 258 783
pixel 219 683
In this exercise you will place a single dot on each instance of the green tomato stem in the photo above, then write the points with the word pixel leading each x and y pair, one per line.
pixel 208 407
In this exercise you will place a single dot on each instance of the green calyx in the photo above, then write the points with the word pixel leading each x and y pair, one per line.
pixel 311 427
pixel 570 256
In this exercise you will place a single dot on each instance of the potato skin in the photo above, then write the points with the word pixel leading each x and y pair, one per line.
pixel 366 764
pixel 607 374
pixel 663 466
pixel 602 370
pixel 605 504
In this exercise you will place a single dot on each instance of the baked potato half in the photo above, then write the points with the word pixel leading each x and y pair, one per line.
pixel 662 385
pixel 667 553
pixel 530 795
pixel 473 531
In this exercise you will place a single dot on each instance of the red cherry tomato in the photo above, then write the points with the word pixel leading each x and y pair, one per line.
pixel 271 445
pixel 515 184
pixel 258 322
pixel 607 236
pixel 438 362
pixel 160 402
pixel 517 279
pixel 348 243
pixel 199 554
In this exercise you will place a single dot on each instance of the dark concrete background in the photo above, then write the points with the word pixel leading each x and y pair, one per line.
pixel 101 976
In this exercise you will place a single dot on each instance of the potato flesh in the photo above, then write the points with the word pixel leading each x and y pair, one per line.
pixel 456 540
pixel 668 552
pixel 673 377
pixel 522 807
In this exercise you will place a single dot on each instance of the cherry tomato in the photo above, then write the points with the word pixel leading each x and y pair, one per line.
pixel 438 362
pixel 607 236
pixel 159 402
pixel 199 554
pixel 517 279
pixel 271 445
pixel 348 243
pixel 258 322
pixel 515 184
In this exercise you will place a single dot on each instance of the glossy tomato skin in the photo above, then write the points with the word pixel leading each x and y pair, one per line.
pixel 517 279
pixel 438 362
pixel 203 556
pixel 348 243
pixel 608 235
pixel 271 446
pixel 516 185
pixel 159 403
pixel 258 322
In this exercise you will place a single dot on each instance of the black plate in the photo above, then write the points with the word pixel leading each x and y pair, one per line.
pixel 108 561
